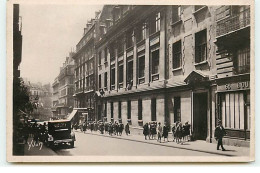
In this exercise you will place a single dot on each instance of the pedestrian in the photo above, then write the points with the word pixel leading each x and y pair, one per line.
pixel 165 132
pixel 186 130
pixel 219 134
pixel 174 131
pixel 121 128
pixel 84 128
pixel 146 130
pixel 106 127
pixel 92 126
pixel 179 133
pixel 149 130
pixel 102 128
pixel 127 130
pixel 159 132
pixel 153 130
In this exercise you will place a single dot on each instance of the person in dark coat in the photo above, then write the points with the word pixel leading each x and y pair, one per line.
pixel 179 132
pixel 219 134
pixel 186 130
pixel 165 132
pixel 120 128
pixel 127 130
pixel 101 128
pixel 146 130
pixel 92 127
pixel 84 128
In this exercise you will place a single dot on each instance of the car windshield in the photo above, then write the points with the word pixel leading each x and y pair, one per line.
pixel 58 126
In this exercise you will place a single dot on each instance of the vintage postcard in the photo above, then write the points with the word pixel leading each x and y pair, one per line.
pixel 130 81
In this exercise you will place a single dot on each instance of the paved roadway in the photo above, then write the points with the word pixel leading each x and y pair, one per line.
pixel 93 145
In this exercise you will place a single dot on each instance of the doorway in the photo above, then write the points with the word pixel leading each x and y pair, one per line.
pixel 200 105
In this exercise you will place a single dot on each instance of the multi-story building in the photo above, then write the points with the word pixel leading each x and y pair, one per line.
pixel 175 63
pixel 85 71
pixel 63 89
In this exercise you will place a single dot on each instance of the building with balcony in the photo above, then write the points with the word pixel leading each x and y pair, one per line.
pixel 85 71
pixel 175 63
pixel 233 70
pixel 63 89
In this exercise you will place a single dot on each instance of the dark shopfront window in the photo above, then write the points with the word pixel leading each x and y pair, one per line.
pixel 112 109
pixel 140 109
pixel 235 110
pixel 177 109
pixel 129 109
pixel 153 109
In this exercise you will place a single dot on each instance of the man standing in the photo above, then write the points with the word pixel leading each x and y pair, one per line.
pixel 219 134
pixel 159 129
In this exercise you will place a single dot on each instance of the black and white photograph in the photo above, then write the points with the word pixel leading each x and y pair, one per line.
pixel 130 82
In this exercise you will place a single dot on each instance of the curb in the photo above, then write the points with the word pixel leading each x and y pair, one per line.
pixel 160 144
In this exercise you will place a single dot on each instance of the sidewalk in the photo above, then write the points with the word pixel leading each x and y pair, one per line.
pixel 199 146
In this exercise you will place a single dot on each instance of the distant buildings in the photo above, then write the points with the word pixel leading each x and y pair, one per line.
pixel 63 89
pixel 40 96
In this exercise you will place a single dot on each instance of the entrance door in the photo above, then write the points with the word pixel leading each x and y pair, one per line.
pixel 200 105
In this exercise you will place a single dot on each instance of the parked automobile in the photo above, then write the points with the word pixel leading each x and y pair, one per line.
pixel 59 132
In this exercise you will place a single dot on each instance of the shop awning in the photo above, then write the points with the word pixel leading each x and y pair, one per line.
pixel 72 114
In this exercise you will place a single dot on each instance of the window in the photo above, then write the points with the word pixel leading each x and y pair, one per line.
pixel 99 81
pixel 99 58
pixel 176 13
pixel 177 109
pixel 153 109
pixel 176 55
pixel 130 70
pixel 112 109
pixel 155 65
pixel 141 32
pixel 201 46
pixel 113 76
pixel 121 75
pixel 120 45
pixel 130 39
pixel 119 110
pixel 141 67
pixel 105 111
pixel 129 109
pixel 106 54
pixel 105 80
pixel 235 110
pixel 140 109
pixel 112 53
pixel 155 23
pixel 243 60
pixel 223 12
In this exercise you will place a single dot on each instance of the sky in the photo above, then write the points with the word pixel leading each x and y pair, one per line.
pixel 49 34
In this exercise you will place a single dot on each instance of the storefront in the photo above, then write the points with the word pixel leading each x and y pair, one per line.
pixel 233 105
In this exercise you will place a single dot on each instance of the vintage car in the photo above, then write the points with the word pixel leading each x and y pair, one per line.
pixel 60 132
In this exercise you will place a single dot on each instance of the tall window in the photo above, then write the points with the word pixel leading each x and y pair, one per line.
pixel 235 110
pixel 112 53
pixel 155 23
pixel 106 54
pixel 99 58
pixel 120 45
pixel 176 13
pixel 105 111
pixel 153 109
pixel 201 46
pixel 105 80
pixel 243 60
pixel 112 109
pixel 177 109
pixel 121 75
pixel 130 70
pixel 141 67
pixel 119 110
pixel 113 76
pixel 176 55
pixel 129 109
pixel 140 109
pixel 99 81
pixel 130 39
pixel 141 32
pixel 155 65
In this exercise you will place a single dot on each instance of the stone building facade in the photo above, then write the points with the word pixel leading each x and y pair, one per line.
pixel 175 63
pixel 63 89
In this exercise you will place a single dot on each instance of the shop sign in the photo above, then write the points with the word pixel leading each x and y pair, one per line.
pixel 234 86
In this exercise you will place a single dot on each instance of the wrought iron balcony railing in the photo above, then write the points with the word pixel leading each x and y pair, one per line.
pixel 233 23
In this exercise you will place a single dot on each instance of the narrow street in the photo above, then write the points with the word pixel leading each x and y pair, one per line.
pixel 94 144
